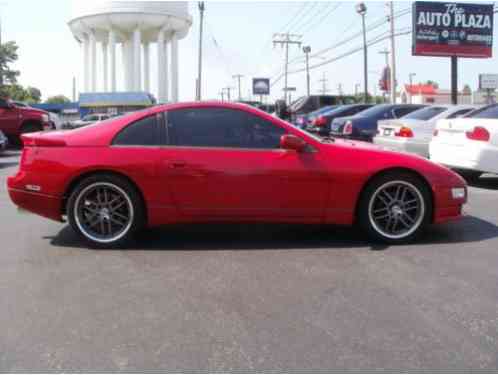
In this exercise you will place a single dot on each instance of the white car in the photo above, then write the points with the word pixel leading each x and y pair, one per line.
pixel 413 132
pixel 470 144
pixel 89 119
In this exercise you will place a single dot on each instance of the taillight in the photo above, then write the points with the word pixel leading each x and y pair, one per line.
pixel 404 132
pixel 348 128
pixel 320 121
pixel 478 134
pixel 436 132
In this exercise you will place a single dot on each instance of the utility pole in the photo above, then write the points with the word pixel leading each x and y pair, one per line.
pixel 361 9
pixel 410 78
pixel 307 50
pixel 199 73
pixel 393 54
pixel 74 88
pixel 222 93
pixel 324 81
pixel 386 53
pixel 228 89
pixel 356 85
pixel 238 77
pixel 339 89
pixel 285 39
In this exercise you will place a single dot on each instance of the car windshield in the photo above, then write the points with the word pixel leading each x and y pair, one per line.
pixel 486 112
pixel 425 113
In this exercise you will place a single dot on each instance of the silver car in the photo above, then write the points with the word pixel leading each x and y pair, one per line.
pixel 413 132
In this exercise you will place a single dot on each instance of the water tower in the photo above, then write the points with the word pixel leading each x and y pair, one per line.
pixel 133 27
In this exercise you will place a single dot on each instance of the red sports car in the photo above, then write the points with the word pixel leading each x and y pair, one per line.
pixel 211 161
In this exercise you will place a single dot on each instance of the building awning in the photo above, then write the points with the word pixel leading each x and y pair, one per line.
pixel 116 99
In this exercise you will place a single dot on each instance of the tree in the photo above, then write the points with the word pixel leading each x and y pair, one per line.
pixel 57 99
pixel 8 55
pixel 17 92
pixel 467 89
pixel 34 94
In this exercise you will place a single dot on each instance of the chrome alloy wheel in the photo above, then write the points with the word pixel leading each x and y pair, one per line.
pixel 103 212
pixel 396 209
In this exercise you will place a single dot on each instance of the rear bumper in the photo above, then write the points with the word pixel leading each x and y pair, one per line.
pixel 403 145
pixel 41 204
pixel 477 156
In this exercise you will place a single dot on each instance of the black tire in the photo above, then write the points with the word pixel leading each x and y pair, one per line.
pixel 469 175
pixel 133 206
pixel 399 211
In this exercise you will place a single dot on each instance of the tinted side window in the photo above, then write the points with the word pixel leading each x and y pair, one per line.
pixel 143 132
pixel 264 134
pixel 486 112
pixel 459 113
pixel 400 112
pixel 219 127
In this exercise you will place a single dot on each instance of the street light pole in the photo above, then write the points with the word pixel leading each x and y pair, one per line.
pixel 361 9
pixel 393 54
pixel 199 73
pixel 238 77
pixel 307 50
pixel 410 78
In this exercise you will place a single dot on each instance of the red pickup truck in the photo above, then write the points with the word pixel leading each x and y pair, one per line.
pixel 15 120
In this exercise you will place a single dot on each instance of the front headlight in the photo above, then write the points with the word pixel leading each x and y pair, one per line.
pixel 45 118
pixel 458 193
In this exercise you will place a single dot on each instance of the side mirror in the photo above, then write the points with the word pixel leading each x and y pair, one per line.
pixel 291 142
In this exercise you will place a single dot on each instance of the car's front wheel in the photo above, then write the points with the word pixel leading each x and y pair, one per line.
pixel 395 207
pixel 106 210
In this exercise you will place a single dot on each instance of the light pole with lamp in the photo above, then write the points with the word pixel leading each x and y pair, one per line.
pixel 361 9
pixel 307 50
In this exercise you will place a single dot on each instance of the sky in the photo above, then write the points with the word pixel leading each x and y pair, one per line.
pixel 238 40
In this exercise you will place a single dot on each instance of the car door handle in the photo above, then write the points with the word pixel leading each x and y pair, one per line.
pixel 177 164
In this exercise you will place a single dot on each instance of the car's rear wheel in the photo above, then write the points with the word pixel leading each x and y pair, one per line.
pixel 106 210
pixel 395 208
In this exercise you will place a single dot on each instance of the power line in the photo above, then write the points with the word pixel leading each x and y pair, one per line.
pixel 291 28
pixel 323 18
pixel 306 19
pixel 376 40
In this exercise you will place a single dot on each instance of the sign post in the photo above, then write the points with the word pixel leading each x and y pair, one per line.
pixel 488 83
pixel 453 30
pixel 261 86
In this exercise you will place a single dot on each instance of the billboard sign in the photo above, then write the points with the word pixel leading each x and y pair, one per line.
pixel 488 81
pixel 261 86
pixel 452 29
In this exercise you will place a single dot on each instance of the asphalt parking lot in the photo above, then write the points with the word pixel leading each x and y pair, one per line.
pixel 249 298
